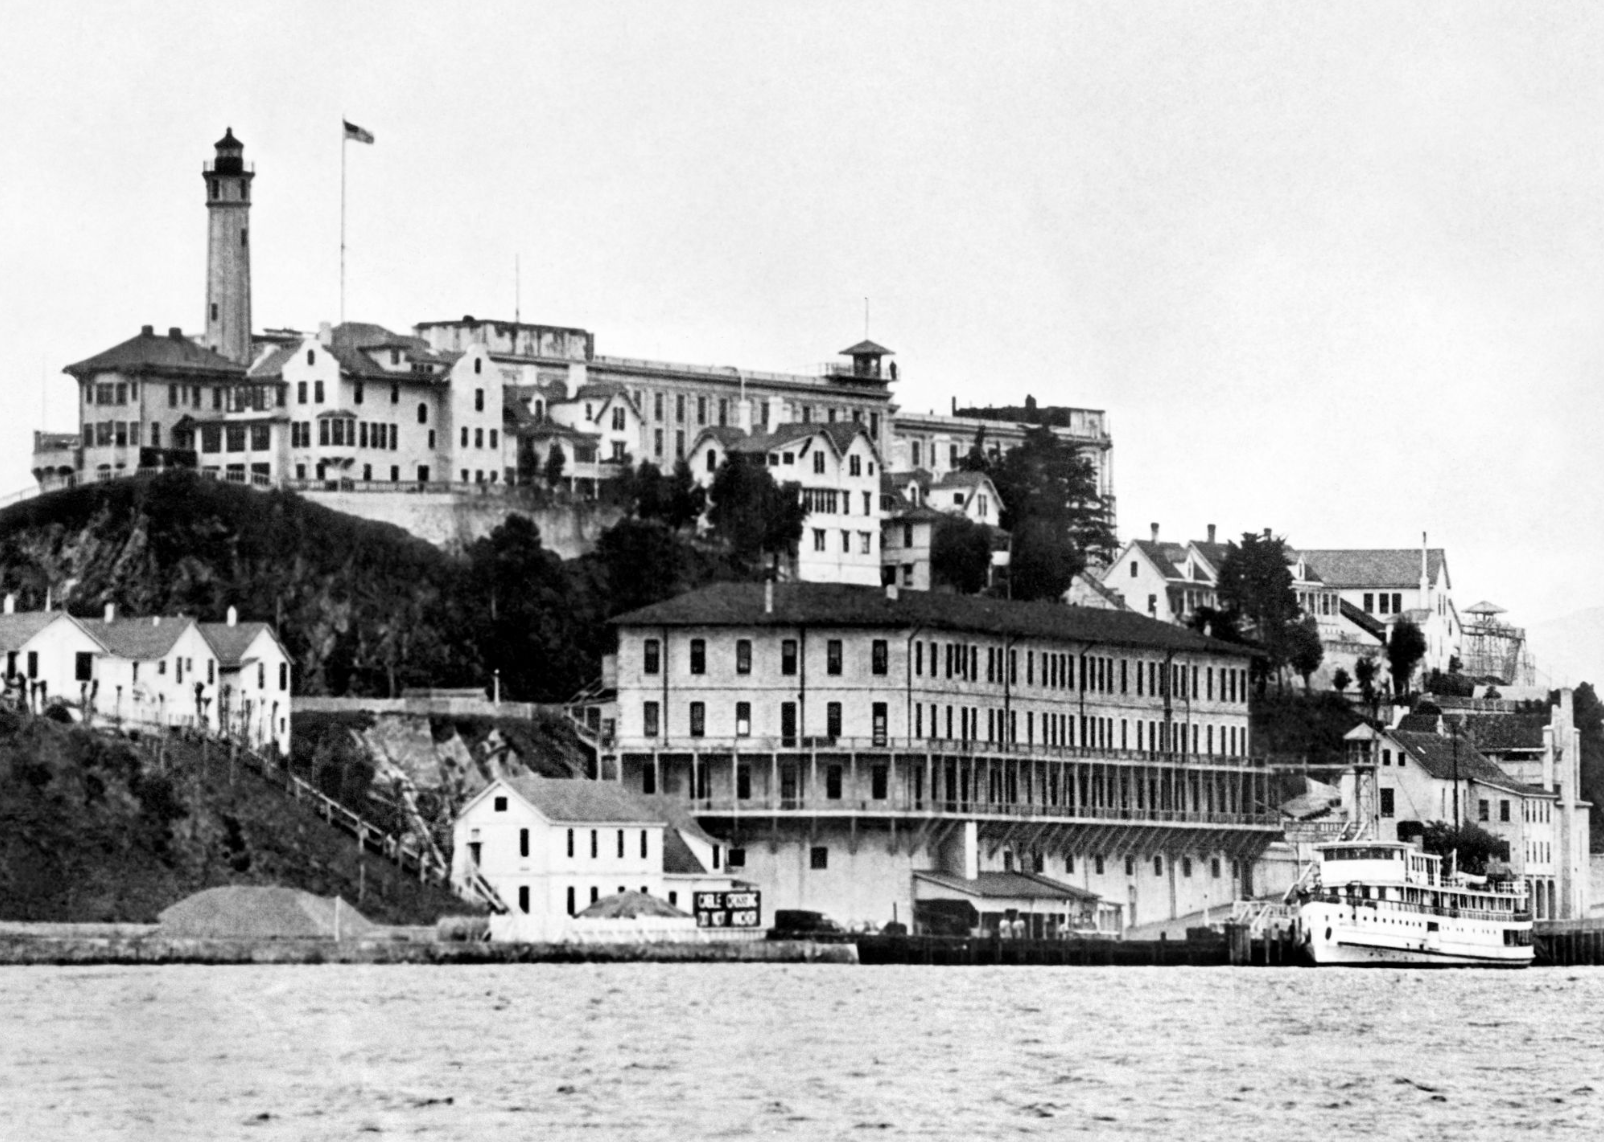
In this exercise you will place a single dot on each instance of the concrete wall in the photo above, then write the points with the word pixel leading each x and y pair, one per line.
pixel 456 519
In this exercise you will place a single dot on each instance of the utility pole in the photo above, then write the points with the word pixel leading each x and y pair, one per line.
pixel 1453 732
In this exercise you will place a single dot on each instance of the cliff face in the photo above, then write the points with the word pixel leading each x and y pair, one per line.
pixel 360 606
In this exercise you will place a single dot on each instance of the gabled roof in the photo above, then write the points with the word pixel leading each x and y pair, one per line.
pixel 837 605
pixel 352 341
pixel 141 639
pixel 1394 568
pixel 230 643
pixel 958 479
pixel 1501 733
pixel 17 629
pixel 582 800
pixel 1162 556
pixel 148 353
pixel 598 390
pixel 1009 885
pixel 1437 756
pixel 271 364
pixel 1213 553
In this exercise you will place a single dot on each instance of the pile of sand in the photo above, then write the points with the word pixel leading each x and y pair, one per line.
pixel 239 912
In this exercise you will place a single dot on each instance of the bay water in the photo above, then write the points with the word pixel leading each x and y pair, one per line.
pixel 672 1051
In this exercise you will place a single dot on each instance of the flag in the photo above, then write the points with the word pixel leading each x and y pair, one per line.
pixel 352 131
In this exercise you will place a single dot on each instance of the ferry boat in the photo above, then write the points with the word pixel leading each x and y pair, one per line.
pixel 1384 904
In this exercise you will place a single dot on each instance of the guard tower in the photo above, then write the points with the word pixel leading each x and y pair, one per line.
pixel 866 356
pixel 228 250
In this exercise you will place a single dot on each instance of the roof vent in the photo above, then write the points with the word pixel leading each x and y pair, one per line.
pixel 1211 533
pixel 1155 532
pixel 175 333
pixel 768 596
pixel 147 331
pixel 111 612
pixel 11 603
pixel 233 617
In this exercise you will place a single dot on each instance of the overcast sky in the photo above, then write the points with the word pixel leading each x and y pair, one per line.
pixel 1335 270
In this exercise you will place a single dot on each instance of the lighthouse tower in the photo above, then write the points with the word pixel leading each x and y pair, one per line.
pixel 228 250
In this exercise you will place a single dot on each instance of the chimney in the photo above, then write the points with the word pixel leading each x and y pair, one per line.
pixel 147 331
pixel 155 620
pixel 1155 533
pixel 233 617
pixel 1211 533
pixel 1425 578
pixel 1266 533
pixel 111 612
pixel 175 333
pixel 768 596
pixel 11 603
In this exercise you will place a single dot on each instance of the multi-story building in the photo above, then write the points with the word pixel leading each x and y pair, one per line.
pixel 838 468
pixel 253 696
pixel 1380 586
pixel 845 738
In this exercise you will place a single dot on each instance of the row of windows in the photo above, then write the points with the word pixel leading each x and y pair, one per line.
pixel 1038 864
pixel 919 454
pixel 652 659
pixel 234 437
pixel 830 501
pixel 1383 603
pixel 963 724
pixel 479 437
pixel 106 433
pixel 821 541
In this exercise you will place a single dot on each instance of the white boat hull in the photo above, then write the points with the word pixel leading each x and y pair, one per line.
pixel 1342 934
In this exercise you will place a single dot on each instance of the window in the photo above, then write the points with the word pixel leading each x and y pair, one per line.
pixel 819 857
pixel 1186 867
pixel 743 656
pixel 832 656
pixel 423 418
pixel 1386 802
pixel 595 851
pixel 1370 603
pixel 1158 866
pixel 523 895
pixel 284 676
pixel 832 719
pixel 743 782
pixel 698 656
pixel 878 782
pixel 698 719
pixel 478 396
pixel 743 719
pixel 832 782
pixel 818 539
pixel 620 847
pixel 818 463
pixel 1483 810
pixel 501 805
pixel 523 844
pixel 649 719
pixel 84 666
pixel 878 656
pixel 1503 810
pixel 788 656
pixel 1097 862
pixel 653 657
pixel 1130 866
pixel 1214 867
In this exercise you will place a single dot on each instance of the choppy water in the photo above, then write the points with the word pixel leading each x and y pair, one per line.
pixel 734 1051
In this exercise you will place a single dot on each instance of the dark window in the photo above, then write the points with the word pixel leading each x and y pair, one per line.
pixel 878 782
pixel 832 782
pixel 736 858
pixel 788 656
pixel 1186 867
pixel 423 418
pixel 653 650
pixel 743 782
pixel 1158 866
pixel 571 901
pixel 1098 863
pixel 832 656
pixel 85 667
pixel 643 847
pixel 832 719
pixel 743 719
pixel 1483 810
pixel 523 898
pixel 357 393
pixel 743 656
pixel 1503 810
pixel 649 719
pixel 819 857
pixel 284 676
pixel 620 847
pixel 523 842
pixel 1386 802
pixel 698 656
pixel 317 392
pixel 501 804
pixel 595 846
pixel 478 397
pixel 878 728
pixel 698 719
pixel 571 845
pixel 878 656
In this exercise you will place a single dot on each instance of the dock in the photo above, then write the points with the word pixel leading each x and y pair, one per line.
pixel 973 951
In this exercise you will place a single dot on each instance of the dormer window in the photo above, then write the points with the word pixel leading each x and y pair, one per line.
pixel 395 356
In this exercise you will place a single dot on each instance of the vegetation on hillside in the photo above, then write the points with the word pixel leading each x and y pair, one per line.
pixel 93 829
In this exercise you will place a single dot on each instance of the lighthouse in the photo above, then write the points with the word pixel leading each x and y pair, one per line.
pixel 228 250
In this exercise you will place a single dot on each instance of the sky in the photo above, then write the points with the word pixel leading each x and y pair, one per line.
pixel 1335 270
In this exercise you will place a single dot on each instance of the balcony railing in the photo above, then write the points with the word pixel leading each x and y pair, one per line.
pixel 1023 751
pixel 901 805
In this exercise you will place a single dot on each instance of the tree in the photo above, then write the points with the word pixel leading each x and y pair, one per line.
pixel 642 562
pixel 1470 845
pixel 960 554
pixel 1256 583
pixel 1051 505
pixel 1304 649
pixel 1340 681
pixel 1587 713
pixel 556 460
pixel 684 499
pixel 1405 649
pixel 750 513
pixel 648 492
pixel 1366 670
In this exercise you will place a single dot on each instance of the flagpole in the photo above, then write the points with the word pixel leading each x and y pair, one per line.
pixel 344 141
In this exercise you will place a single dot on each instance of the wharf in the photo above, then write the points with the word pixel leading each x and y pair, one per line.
pixel 974 951
pixel 63 950
pixel 1568 943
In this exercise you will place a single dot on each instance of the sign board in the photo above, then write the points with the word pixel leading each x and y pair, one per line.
pixel 742 909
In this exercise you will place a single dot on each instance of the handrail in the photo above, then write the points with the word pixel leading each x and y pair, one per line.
pixel 970 808
pixel 943 747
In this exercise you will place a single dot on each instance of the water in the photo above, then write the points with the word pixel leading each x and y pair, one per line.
pixel 657 1051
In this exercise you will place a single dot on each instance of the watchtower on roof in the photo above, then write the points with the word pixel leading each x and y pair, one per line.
pixel 866 356
pixel 228 250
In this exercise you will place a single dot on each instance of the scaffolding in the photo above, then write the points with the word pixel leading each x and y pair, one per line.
pixel 1494 649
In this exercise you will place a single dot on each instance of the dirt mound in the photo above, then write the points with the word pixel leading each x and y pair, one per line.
pixel 250 913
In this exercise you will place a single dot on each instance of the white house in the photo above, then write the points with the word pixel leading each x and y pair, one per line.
pixel 47 654
pixel 254 690
pixel 154 671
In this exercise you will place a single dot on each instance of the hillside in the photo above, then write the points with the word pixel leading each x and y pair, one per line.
pixel 92 831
